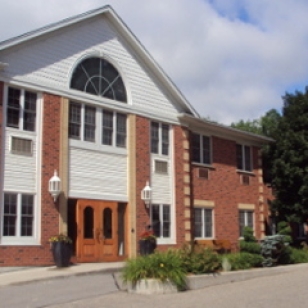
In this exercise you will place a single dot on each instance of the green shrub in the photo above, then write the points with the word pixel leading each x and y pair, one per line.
pixel 248 235
pixel 199 260
pixel 275 250
pixel 250 247
pixel 243 260
pixel 160 265
pixel 299 255
pixel 284 228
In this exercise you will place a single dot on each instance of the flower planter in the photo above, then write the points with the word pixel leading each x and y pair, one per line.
pixel 152 286
pixel 61 253
pixel 147 247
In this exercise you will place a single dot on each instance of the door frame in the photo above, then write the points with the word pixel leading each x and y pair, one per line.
pixel 96 248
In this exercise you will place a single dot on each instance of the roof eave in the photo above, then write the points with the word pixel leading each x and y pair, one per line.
pixel 223 129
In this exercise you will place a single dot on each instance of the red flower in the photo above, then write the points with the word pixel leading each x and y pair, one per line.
pixel 147 235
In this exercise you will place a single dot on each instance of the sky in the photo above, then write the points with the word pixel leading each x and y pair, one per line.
pixel 231 59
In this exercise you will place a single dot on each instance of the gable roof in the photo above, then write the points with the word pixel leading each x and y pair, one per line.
pixel 119 24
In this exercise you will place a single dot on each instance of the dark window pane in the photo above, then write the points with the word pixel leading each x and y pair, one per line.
pixel 154 137
pixel 99 77
pixel 165 139
pixel 74 120
pixel 30 111
pixel 198 222
pixel 107 127
pixel 88 223
pixel 166 221
pixel 196 146
pixel 208 227
pixel 155 220
pixel 89 127
pixel 247 159
pixel 206 150
pixel 239 157
pixel 121 130
pixel 107 219
pixel 13 108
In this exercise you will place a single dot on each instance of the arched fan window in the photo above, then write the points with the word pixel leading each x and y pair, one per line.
pixel 98 77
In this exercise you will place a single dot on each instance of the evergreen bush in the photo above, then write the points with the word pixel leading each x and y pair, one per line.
pixel 275 250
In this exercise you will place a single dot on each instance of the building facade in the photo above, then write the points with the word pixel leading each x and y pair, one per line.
pixel 83 97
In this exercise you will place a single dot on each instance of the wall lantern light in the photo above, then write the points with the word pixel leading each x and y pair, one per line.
pixel 55 186
pixel 146 194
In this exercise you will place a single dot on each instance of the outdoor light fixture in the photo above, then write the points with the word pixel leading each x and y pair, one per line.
pixel 146 194
pixel 55 186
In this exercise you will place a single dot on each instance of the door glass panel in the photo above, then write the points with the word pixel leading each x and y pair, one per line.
pixel 107 219
pixel 88 223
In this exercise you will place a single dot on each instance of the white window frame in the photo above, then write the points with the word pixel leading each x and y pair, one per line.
pixel 161 239
pixel 201 161
pixel 160 139
pixel 243 158
pixel 203 210
pixel 18 239
pixel 246 212
pixel 22 108
pixel 98 141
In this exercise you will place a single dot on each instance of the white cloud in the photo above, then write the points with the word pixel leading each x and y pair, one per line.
pixel 232 59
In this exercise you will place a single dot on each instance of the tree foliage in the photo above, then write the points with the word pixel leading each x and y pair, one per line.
pixel 289 156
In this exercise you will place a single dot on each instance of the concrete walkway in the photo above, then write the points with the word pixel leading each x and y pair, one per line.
pixel 17 275
pixel 20 275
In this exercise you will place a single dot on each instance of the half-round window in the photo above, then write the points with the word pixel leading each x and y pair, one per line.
pixel 98 77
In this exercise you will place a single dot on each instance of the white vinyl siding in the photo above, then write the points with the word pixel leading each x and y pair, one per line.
pixel 97 174
pixel 20 170
pixel 51 60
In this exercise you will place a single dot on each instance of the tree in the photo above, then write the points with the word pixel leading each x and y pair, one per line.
pixel 253 126
pixel 289 157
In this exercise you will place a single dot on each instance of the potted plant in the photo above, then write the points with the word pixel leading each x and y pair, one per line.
pixel 147 242
pixel 61 247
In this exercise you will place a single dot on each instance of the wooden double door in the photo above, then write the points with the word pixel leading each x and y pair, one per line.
pixel 98 224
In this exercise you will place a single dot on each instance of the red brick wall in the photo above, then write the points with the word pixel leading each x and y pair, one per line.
pixel 179 161
pixel 41 254
pixel 225 189
pixel 143 172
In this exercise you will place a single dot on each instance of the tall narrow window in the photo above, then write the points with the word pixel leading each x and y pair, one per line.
pixel 21 109
pixel 27 215
pixel 201 149
pixel 159 138
pixel 74 120
pixel 154 137
pixel 243 157
pixel 18 215
pixel 165 139
pixel 245 220
pixel 30 111
pixel 121 130
pixel 203 219
pixel 160 215
pixel 107 127
pixel 10 215
pixel 13 107
pixel 89 121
